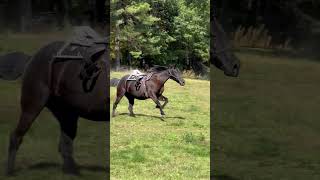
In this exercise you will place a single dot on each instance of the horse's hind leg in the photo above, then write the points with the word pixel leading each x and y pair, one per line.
pixel 68 126
pixel 130 107
pixel 120 94
pixel 31 105
pixel 68 133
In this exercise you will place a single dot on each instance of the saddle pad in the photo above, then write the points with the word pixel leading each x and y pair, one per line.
pixel 134 77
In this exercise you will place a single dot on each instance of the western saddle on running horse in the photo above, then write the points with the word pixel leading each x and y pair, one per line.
pixel 141 79
pixel 85 45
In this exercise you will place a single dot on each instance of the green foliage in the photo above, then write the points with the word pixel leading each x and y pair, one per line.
pixel 192 28
pixel 160 31
pixel 136 29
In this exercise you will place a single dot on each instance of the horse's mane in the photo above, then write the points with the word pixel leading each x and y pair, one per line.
pixel 157 69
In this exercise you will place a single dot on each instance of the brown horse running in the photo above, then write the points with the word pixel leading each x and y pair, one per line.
pixel 61 91
pixel 153 89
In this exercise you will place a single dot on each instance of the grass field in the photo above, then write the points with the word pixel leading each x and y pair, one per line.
pixel 145 147
pixel 267 121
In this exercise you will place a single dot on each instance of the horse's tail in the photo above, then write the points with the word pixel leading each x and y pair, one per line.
pixel 114 82
pixel 12 65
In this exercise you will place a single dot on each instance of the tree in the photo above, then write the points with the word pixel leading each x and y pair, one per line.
pixel 136 32
pixel 192 31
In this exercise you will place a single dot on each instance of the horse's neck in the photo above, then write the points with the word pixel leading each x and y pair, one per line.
pixel 163 77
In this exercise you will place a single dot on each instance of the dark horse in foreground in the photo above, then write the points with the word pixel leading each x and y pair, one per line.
pixel 60 87
pixel 150 86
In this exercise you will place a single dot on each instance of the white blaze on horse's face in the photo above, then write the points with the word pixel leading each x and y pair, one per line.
pixel 175 75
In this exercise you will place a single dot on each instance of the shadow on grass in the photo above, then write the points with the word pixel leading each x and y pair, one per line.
pixel 58 166
pixel 151 116
pixel 223 177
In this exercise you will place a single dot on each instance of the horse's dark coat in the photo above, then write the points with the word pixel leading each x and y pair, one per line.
pixel 154 88
pixel 12 65
pixel 64 97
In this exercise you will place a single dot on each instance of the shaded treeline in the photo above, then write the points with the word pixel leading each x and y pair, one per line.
pixel 296 22
pixel 35 15
pixel 143 32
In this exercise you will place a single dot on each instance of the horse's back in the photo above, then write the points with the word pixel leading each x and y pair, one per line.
pixel 60 85
pixel 37 69
pixel 35 90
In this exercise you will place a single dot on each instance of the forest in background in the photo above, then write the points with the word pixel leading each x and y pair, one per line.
pixel 292 25
pixel 37 15
pixel 143 32
pixel 146 32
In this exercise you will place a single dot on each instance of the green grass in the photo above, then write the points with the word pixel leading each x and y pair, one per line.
pixel 38 157
pixel 145 147
pixel 266 122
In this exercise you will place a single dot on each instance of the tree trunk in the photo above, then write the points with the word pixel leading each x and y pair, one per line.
pixel 129 59
pixel 26 15
pixel 117 47
pixel 63 9
pixel 2 16
pixel 188 60
pixel 19 14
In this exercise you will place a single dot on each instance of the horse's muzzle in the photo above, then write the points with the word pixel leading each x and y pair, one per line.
pixel 182 83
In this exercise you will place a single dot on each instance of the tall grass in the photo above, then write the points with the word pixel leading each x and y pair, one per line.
pixel 256 37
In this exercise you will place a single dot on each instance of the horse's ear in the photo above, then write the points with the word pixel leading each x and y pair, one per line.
pixel 175 65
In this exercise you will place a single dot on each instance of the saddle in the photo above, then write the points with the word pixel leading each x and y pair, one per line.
pixel 141 79
pixel 136 75
pixel 85 45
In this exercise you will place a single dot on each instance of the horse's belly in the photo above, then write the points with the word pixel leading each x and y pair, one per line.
pixel 132 91
pixel 92 105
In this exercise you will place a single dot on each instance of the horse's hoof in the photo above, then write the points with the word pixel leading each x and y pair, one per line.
pixel 9 172
pixel 71 170
pixel 132 115
pixel 163 116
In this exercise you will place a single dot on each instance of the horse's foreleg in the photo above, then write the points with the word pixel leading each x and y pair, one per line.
pixel 155 99
pixel 130 108
pixel 165 99
pixel 66 151
pixel 68 125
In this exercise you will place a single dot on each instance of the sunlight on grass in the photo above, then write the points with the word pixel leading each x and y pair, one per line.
pixel 145 147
